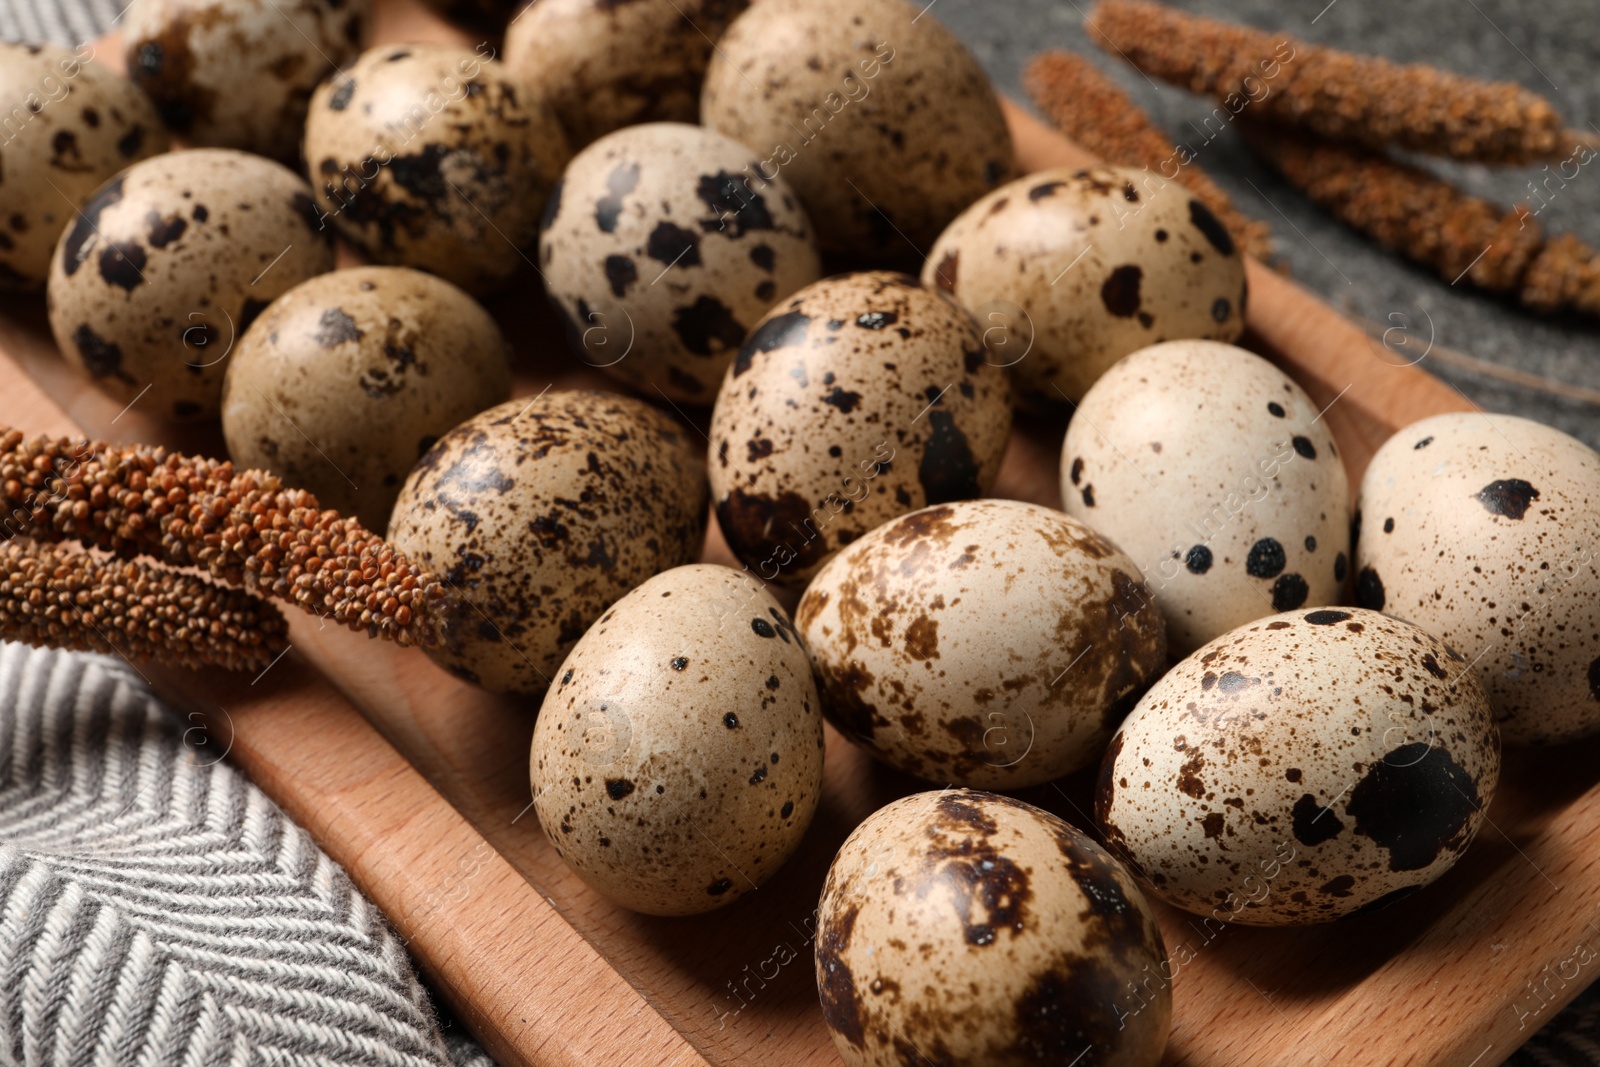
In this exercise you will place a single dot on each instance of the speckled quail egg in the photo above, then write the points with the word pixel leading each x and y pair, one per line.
pixel 1214 471
pixel 677 760
pixel 168 263
pixel 1302 767
pixel 537 515
pixel 659 229
pixel 973 930
pixel 346 380
pixel 1482 529
pixel 1082 267
pixel 70 125
pixel 609 65
pixel 435 158
pixel 987 642
pixel 239 73
pixel 873 111
pixel 860 398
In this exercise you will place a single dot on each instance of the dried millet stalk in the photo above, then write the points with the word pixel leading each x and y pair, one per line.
pixel 72 600
pixel 1336 94
pixel 244 528
pixel 1089 108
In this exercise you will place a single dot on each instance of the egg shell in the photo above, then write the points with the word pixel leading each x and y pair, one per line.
pixel 657 234
pixel 1081 267
pixel 966 928
pixel 871 109
pixel 988 642
pixel 604 66
pixel 537 515
pixel 239 73
pixel 169 263
pixel 1482 530
pixel 345 381
pixel 71 124
pixel 860 398
pixel 677 761
pixel 1216 473
pixel 1302 768
pixel 436 158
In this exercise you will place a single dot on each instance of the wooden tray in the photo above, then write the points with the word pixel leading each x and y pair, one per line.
pixel 418 785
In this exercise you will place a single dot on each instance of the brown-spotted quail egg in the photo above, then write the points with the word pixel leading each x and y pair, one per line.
pixel 657 234
pixel 988 642
pixel 348 378
pixel 239 73
pixel 609 65
pixel 1482 529
pixel 436 158
pixel 873 111
pixel 1302 767
pixel 538 514
pixel 973 930
pixel 1082 267
pixel 168 263
pixel 677 760
pixel 860 398
pixel 1215 472
pixel 71 124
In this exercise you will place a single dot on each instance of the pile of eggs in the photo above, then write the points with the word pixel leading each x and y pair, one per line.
pixel 1251 667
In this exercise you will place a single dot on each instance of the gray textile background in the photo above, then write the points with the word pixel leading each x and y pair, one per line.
pixel 1552 47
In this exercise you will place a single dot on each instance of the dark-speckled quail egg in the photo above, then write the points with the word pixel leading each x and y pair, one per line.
pixel 1482 529
pixel 677 760
pixel 860 398
pixel 657 234
pixel 988 642
pixel 538 514
pixel 973 930
pixel 69 125
pixel 168 263
pixel 348 378
pixel 1302 767
pixel 239 73
pixel 1082 267
pixel 608 65
pixel 433 157
pixel 1214 471
pixel 873 111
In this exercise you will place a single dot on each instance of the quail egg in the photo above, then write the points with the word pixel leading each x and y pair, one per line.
pixel 1215 472
pixel 168 263
pixel 433 157
pixel 973 930
pixel 537 515
pixel 609 65
pixel 677 760
pixel 1482 529
pixel 1082 267
pixel 346 380
pixel 1302 767
pixel 71 125
pixel 239 73
pixel 872 110
pixel 657 228
pixel 987 642
pixel 860 398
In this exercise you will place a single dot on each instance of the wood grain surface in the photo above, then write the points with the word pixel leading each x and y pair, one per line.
pixel 544 970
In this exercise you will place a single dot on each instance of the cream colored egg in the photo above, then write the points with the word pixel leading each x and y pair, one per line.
pixel 1301 768
pixel 1078 268
pixel 974 930
pixel 1217 474
pixel 677 761
pixel 1483 530
pixel 988 642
